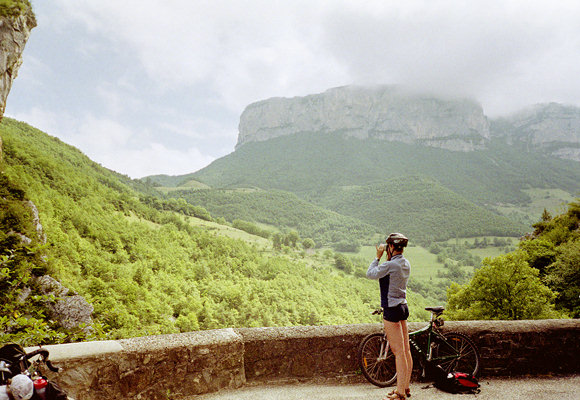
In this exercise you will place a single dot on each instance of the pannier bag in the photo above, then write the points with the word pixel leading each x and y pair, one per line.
pixel 458 382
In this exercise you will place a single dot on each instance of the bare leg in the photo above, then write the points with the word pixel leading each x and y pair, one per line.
pixel 407 351
pixel 395 337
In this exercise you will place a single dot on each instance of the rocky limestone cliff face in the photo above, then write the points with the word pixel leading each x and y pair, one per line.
pixel 554 128
pixel 383 113
pixel 14 33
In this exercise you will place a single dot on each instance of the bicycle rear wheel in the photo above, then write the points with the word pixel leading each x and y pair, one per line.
pixel 457 353
pixel 377 361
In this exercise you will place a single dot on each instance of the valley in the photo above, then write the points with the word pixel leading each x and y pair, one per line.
pixel 279 232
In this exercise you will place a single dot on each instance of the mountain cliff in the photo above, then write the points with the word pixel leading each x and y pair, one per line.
pixel 16 21
pixel 553 128
pixel 387 113
pixel 15 26
pixel 393 113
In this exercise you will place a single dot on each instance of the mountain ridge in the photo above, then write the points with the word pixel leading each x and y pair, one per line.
pixel 388 113
pixel 395 113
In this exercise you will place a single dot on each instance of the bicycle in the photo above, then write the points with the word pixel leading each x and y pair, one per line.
pixel 14 361
pixel 452 351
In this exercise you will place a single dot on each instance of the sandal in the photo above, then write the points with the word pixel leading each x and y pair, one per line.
pixel 394 395
pixel 394 391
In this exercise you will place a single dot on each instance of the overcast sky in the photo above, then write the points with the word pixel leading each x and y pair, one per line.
pixel 149 87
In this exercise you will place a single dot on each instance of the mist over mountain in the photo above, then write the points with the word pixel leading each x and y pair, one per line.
pixel 393 113
pixel 552 128
pixel 381 113
pixel 434 167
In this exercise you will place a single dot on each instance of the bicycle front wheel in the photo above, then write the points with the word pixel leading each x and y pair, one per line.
pixel 457 353
pixel 377 361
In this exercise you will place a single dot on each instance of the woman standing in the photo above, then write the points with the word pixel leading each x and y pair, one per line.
pixel 393 276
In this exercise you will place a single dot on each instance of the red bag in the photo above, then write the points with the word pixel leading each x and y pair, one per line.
pixel 457 382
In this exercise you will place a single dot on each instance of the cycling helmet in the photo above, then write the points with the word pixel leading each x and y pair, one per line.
pixel 21 387
pixel 397 240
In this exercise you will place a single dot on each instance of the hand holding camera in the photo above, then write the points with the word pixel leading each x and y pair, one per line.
pixel 381 248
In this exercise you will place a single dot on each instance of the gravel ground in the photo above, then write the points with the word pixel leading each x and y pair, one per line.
pixel 528 388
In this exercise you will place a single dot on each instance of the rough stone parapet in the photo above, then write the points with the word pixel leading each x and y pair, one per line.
pixel 180 365
pixel 302 352
pixel 153 367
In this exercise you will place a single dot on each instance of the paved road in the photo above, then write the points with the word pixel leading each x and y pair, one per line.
pixel 553 388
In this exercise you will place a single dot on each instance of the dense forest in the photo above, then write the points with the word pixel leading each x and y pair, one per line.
pixel 145 268
pixel 295 163
pixel 151 260
pixel 431 193
pixel 283 210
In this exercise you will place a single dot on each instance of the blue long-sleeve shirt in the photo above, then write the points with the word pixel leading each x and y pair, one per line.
pixel 393 276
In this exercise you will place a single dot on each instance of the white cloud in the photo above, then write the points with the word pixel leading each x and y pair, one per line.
pixel 155 159
pixel 250 50
pixel 118 98
pixel 116 146
pixel 244 50
pixel 198 128
pixel 101 135
pixel 45 120
pixel 121 75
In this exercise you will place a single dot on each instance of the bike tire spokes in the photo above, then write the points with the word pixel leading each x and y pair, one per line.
pixel 377 361
pixel 457 353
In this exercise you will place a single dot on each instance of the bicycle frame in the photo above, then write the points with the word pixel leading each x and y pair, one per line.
pixel 432 334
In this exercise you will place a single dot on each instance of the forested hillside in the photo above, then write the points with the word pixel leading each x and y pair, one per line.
pixel 429 192
pixel 420 206
pixel 284 210
pixel 144 269
pixel 310 163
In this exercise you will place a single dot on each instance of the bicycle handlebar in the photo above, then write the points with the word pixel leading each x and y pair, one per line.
pixel 44 357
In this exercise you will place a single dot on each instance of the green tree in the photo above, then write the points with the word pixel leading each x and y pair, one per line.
pixel 292 238
pixel 343 263
pixel 541 253
pixel 505 287
pixel 308 243
pixel 563 276
pixel 277 240
pixel 546 216
pixel 351 246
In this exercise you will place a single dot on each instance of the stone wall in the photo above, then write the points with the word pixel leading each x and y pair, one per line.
pixel 175 366
pixel 154 367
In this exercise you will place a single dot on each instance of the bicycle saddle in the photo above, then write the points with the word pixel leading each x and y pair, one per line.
pixel 436 310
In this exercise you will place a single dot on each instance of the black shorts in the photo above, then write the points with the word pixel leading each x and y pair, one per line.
pixel 395 314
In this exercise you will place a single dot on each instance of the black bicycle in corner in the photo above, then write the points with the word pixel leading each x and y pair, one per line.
pixel 452 351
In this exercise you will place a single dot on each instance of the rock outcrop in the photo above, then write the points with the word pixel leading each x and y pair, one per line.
pixel 382 113
pixel 14 33
pixel 397 114
pixel 69 309
pixel 553 128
